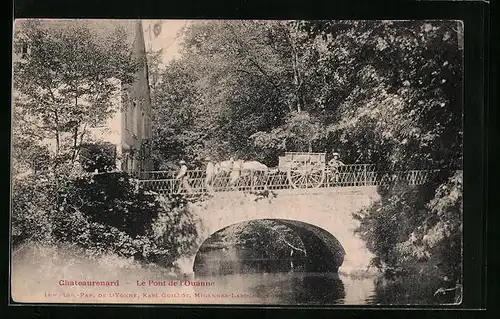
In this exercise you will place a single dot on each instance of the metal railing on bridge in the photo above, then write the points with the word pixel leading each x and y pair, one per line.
pixel 346 176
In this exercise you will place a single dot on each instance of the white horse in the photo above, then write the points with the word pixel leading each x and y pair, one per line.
pixel 255 171
pixel 217 171
pixel 225 166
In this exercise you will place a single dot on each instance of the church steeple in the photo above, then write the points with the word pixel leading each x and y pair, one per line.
pixel 137 120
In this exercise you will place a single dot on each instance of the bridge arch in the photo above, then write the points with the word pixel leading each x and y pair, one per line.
pixel 322 251
pixel 327 209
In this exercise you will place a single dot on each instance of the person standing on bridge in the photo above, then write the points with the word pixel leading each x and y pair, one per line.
pixel 183 177
pixel 334 165
pixel 211 172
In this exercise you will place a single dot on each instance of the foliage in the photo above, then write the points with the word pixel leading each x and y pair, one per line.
pixel 29 155
pixel 299 133
pixel 259 239
pixel 175 136
pixel 398 91
pixel 439 236
pixel 154 62
pixel 33 200
pixel 175 227
pixel 112 199
pixel 103 213
pixel 65 84
pixel 69 80
pixel 429 229
pixel 225 86
pixel 384 92
pixel 381 92
pixel 98 156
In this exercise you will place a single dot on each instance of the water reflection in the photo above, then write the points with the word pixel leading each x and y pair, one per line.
pixel 293 288
pixel 281 288
pixel 259 271
pixel 411 290
pixel 265 279
pixel 228 261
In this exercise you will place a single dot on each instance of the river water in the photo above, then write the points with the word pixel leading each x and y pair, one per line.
pixel 238 277
pixel 318 289
pixel 248 264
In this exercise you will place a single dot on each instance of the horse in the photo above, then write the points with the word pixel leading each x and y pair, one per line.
pixel 253 170
pixel 217 172
pixel 225 166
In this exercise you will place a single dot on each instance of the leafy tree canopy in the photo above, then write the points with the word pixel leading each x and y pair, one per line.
pixel 383 92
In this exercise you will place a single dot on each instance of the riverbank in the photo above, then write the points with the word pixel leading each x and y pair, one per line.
pixel 37 273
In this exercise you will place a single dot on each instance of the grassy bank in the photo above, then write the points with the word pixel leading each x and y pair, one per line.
pixel 37 270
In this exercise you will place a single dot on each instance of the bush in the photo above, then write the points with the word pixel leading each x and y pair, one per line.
pixel 417 229
pixel 103 214
pixel 112 199
pixel 100 157
pixel 33 201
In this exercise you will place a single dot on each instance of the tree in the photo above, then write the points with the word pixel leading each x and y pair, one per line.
pixel 299 133
pixel 249 78
pixel 68 81
pixel 397 86
pixel 176 126
pixel 62 84
pixel 418 231
pixel 155 69
pixel 102 214
pixel 232 92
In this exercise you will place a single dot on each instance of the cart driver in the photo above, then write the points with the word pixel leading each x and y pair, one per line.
pixel 335 162
pixel 334 165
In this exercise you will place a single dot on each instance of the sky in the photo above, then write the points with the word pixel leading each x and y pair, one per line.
pixel 168 39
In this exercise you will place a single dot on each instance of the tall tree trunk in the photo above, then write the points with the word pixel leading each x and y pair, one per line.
pixel 75 143
pixel 75 135
pixel 295 78
pixel 58 143
pixel 58 139
pixel 81 140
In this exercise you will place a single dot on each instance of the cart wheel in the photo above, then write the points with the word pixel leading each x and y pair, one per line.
pixel 306 178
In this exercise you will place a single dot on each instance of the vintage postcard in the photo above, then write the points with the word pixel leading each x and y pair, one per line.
pixel 264 162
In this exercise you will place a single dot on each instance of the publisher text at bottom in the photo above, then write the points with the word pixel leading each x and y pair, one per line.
pixel 222 295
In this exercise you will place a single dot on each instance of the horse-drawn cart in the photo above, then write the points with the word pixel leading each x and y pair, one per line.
pixel 303 169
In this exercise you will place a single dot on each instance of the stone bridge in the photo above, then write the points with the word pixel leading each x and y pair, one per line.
pixel 322 214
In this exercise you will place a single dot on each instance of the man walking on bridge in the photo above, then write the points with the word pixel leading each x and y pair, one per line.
pixel 183 177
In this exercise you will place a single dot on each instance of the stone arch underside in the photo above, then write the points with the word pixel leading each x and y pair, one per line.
pixel 324 252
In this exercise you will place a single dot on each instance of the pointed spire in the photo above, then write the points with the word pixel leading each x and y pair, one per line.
pixel 139 48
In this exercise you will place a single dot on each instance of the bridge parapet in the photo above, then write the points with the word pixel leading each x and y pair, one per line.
pixel 357 175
